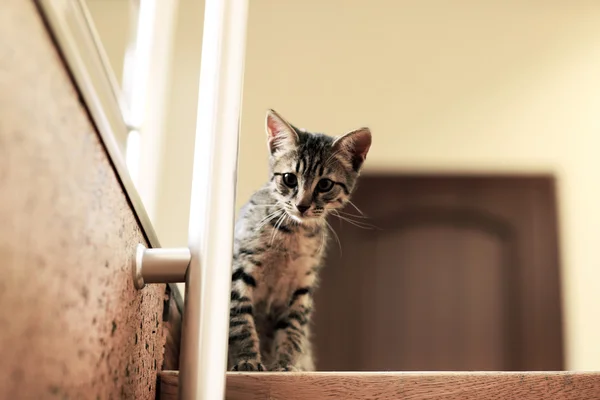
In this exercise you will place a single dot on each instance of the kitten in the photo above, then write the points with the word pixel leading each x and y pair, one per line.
pixel 280 239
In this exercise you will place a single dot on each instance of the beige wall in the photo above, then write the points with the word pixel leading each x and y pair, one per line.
pixel 114 21
pixel 476 87
pixel 174 189
pixel 502 86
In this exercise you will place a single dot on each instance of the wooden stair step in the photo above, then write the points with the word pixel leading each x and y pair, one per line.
pixel 402 385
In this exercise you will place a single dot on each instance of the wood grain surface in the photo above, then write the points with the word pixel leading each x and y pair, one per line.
pixel 403 386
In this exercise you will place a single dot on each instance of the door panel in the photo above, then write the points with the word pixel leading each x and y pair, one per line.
pixel 460 274
pixel 433 295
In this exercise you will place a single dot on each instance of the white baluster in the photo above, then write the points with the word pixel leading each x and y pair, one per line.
pixel 203 359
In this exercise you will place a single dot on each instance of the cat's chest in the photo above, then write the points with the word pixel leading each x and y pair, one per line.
pixel 286 269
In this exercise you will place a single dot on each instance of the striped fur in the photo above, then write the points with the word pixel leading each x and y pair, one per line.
pixel 280 240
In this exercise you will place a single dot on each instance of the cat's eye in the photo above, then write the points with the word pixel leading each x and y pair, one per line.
pixel 290 180
pixel 324 185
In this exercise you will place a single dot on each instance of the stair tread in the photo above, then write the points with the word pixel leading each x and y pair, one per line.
pixel 402 385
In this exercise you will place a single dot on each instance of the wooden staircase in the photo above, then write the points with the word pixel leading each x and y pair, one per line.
pixel 402 386
pixel 114 351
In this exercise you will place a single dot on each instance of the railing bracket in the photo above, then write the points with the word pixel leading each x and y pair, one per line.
pixel 159 265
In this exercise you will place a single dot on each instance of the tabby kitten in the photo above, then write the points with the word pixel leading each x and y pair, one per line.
pixel 280 239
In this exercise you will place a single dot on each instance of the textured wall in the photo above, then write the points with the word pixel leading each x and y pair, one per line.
pixel 71 324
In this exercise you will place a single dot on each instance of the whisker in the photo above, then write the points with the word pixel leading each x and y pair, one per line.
pixel 270 215
pixel 351 215
pixel 358 224
pixel 276 228
pixel 323 239
pixel 267 219
pixel 357 209
pixel 336 236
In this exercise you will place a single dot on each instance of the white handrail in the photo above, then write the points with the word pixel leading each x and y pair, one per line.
pixel 203 359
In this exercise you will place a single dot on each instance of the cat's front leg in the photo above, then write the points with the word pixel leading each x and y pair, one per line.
pixel 244 347
pixel 291 332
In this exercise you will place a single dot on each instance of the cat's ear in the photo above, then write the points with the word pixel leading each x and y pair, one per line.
pixel 280 134
pixel 355 145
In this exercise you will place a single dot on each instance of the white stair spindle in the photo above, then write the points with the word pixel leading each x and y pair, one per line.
pixel 203 359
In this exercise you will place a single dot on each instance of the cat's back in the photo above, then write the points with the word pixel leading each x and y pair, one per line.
pixel 253 213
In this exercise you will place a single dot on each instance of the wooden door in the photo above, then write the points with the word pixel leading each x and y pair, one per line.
pixel 461 273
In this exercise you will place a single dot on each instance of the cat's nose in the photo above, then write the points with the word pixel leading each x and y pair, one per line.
pixel 302 208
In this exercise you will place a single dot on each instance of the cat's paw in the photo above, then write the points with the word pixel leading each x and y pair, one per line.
pixel 248 366
pixel 285 368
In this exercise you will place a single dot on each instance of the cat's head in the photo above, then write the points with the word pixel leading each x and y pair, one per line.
pixel 311 173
